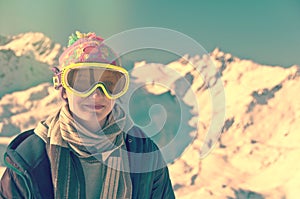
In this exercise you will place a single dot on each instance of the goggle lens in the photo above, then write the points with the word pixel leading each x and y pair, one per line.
pixel 83 80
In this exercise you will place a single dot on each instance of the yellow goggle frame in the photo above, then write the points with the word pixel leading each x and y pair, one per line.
pixel 63 81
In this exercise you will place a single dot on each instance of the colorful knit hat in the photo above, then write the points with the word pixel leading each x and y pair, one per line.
pixel 84 47
pixel 88 47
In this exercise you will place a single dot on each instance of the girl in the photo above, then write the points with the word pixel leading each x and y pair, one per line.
pixel 88 148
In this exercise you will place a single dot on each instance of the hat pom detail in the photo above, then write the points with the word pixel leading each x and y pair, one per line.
pixel 78 35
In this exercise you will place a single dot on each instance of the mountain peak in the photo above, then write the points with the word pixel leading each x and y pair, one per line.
pixel 218 54
pixel 36 45
pixel 31 35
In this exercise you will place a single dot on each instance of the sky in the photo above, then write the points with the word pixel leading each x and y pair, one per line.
pixel 265 31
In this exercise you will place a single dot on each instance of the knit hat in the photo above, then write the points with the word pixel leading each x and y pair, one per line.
pixel 87 47
pixel 84 47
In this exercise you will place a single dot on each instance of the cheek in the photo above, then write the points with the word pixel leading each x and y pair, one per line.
pixel 112 103
pixel 110 106
pixel 74 102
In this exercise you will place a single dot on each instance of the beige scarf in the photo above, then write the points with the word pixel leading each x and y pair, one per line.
pixel 107 146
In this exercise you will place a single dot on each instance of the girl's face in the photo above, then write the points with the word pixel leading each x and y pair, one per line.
pixel 91 111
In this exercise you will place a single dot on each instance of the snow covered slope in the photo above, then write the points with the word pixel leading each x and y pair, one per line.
pixel 35 45
pixel 25 61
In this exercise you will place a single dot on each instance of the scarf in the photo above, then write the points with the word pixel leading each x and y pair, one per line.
pixel 66 141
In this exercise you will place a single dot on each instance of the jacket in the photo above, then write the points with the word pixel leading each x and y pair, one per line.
pixel 28 173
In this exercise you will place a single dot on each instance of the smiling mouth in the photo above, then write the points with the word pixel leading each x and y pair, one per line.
pixel 95 107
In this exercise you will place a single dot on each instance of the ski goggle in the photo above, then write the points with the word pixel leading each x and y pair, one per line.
pixel 83 79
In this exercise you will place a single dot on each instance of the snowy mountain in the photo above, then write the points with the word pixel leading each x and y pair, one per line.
pixel 21 110
pixel 25 61
pixel 256 155
pixel 35 45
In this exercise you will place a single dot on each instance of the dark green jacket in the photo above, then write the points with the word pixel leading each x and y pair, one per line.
pixel 28 173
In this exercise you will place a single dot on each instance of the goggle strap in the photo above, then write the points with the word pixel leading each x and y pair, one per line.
pixel 57 78
pixel 55 70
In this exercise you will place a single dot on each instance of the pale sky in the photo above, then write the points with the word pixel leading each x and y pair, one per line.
pixel 266 31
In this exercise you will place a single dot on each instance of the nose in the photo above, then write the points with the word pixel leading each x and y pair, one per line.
pixel 98 92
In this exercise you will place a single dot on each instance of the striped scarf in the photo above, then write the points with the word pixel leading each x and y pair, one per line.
pixel 67 140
